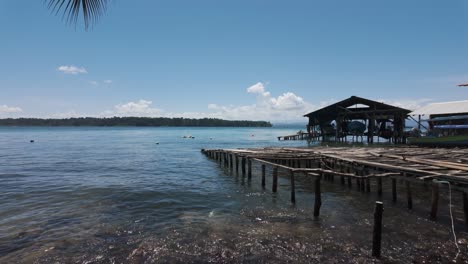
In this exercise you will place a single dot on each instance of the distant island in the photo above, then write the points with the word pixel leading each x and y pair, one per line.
pixel 133 121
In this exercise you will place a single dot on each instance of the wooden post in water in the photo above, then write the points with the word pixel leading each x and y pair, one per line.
pixel 363 181
pixel 274 187
pixel 263 175
pixel 379 186
pixel 293 187
pixel 243 166
pixel 394 193
pixel 409 195
pixel 350 182
pixel 377 234
pixel 368 185
pixel 318 196
pixel 231 162
pixel 237 164
pixel 249 172
pixel 465 208
pixel 435 199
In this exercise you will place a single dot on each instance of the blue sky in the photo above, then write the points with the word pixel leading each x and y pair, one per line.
pixel 272 60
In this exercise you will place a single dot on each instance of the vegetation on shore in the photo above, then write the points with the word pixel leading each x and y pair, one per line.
pixel 133 121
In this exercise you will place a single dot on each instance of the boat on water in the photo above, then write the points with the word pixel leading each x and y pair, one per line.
pixel 447 125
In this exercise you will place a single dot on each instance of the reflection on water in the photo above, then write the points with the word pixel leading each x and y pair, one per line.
pixel 100 195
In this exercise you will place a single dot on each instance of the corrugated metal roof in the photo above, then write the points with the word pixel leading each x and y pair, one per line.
pixel 456 107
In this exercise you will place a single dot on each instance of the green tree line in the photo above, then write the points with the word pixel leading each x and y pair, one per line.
pixel 133 121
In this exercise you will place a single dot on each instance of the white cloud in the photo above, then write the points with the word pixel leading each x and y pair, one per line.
pixel 5 109
pixel 97 83
pixel 287 106
pixel 67 114
pixel 72 69
pixel 138 108
pixel 410 104
pixel 10 111
pixel 212 106
pixel 288 101
pixel 258 88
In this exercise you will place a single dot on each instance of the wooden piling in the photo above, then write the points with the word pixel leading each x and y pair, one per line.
pixel 318 197
pixel 409 196
pixel 435 200
pixel 379 186
pixel 237 164
pixel 368 188
pixel 249 169
pixel 377 234
pixel 274 187
pixel 293 187
pixel 263 175
pixel 243 166
pixel 394 192
pixel 465 208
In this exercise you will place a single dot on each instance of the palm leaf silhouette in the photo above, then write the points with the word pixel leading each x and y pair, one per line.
pixel 71 9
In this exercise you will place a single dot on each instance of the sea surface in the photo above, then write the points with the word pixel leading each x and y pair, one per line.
pixel 148 195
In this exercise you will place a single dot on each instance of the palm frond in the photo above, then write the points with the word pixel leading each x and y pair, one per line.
pixel 71 9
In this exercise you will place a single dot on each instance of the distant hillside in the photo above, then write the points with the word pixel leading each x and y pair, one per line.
pixel 133 121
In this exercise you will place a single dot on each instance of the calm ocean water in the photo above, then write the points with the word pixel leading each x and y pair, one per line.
pixel 112 195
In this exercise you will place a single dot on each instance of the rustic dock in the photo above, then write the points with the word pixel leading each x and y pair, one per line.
pixel 298 136
pixel 361 165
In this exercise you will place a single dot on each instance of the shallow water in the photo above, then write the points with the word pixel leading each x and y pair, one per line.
pixel 112 195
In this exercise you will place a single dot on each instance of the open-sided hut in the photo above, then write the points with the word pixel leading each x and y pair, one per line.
pixel 359 117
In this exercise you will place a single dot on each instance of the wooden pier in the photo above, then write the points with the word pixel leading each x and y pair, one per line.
pixel 361 166
pixel 299 136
